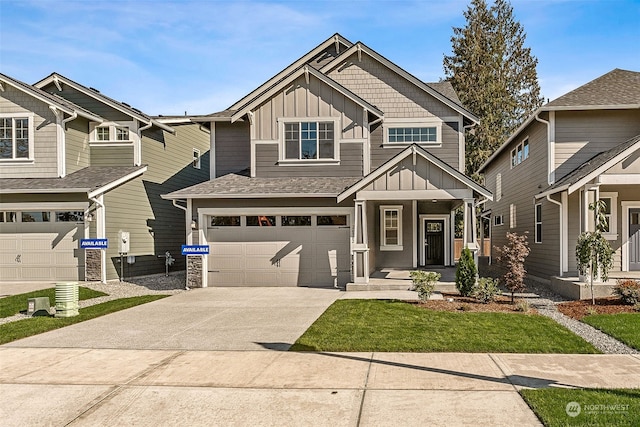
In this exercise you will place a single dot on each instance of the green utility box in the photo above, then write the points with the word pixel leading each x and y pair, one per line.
pixel 67 299
pixel 38 306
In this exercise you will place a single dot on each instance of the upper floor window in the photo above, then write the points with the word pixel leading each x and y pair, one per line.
pixel 309 141
pixel 520 153
pixel 16 137
pixel 196 158
pixel 110 132
pixel 413 134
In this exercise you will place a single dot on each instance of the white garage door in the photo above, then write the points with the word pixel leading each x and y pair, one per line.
pixel 311 250
pixel 42 249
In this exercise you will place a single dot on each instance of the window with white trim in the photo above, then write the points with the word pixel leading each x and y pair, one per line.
pixel 390 228
pixel 498 220
pixel 8 216
pixel 16 137
pixel 413 134
pixel 538 221
pixel 520 153
pixel 611 214
pixel 309 140
pixel 110 132
pixel 196 158
pixel 512 216
pixel 412 131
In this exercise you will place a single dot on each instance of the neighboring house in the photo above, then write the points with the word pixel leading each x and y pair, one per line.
pixel 76 164
pixel 340 165
pixel 583 146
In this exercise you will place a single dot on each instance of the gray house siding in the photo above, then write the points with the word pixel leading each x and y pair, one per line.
pixel 77 145
pixel 580 135
pixel 13 101
pixel 233 148
pixel 112 156
pixel 519 185
pixel 156 226
pixel 267 163
pixel 87 102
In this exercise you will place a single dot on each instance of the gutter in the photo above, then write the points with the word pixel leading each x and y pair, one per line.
pixel 562 243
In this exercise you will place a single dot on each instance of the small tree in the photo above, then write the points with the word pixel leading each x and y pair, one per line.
pixel 466 273
pixel 593 251
pixel 512 256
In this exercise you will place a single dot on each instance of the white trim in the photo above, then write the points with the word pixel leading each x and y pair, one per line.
pixel 551 150
pixel 197 161
pixel 60 143
pixel 537 238
pixel 495 217
pixel 461 144
pixel 414 231
pixel 626 207
pixel 275 211
pixel 75 206
pixel 512 215
pixel 383 245
pixel 564 235
pixel 426 122
pixel 629 178
pixel 447 236
pixel 100 191
pixel 366 143
pixel 31 132
pixel 337 126
pixel 213 156
pixel 613 216
pixel 414 194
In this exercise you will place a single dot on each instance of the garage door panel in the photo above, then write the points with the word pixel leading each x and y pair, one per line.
pixel 226 249
pixel 37 273
pixel 226 278
pixel 9 243
pixel 260 263
pixel 226 263
pixel 332 235
pixel 261 278
pixel 38 258
pixel 9 272
pixel 37 242
pixel 268 249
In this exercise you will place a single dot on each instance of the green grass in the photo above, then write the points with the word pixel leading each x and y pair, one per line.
pixel 14 304
pixel 37 325
pixel 624 327
pixel 382 325
pixel 598 407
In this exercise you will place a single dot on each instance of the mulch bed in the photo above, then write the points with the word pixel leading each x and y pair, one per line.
pixel 579 309
pixel 502 304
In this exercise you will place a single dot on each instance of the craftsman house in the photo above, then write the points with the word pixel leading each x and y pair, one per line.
pixel 581 147
pixel 340 165
pixel 76 164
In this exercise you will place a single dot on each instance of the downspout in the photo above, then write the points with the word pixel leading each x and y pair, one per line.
pixel 551 158
pixel 138 157
pixel 562 243
pixel 462 150
pixel 101 233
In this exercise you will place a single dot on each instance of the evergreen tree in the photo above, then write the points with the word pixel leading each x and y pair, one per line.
pixel 494 74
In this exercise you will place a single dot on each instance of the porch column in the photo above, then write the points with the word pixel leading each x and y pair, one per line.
pixel 360 243
pixel 470 240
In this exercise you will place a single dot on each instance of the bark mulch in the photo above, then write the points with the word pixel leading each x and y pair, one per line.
pixel 579 309
pixel 454 302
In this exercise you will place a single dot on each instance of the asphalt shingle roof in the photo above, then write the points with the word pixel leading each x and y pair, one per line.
pixel 592 165
pixel 241 184
pixel 617 87
pixel 83 181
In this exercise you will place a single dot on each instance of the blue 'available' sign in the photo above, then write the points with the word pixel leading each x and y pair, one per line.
pixel 195 249
pixel 94 243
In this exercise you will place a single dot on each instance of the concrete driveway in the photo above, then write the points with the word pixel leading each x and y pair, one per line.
pixel 201 319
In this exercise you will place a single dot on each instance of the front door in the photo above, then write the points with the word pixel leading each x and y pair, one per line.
pixel 434 242
pixel 634 239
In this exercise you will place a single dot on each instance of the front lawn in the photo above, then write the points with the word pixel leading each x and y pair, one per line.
pixel 14 304
pixel 585 407
pixel 383 325
pixel 624 327
pixel 37 325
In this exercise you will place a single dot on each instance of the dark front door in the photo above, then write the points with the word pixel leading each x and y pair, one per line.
pixel 634 239
pixel 434 242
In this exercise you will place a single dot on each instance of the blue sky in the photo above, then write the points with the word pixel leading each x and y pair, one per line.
pixel 168 57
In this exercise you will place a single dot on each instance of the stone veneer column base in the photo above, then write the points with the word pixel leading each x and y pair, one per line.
pixel 194 271
pixel 93 265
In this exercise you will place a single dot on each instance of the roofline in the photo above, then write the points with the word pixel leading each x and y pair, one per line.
pixel 117 182
pixel 249 196
pixel 413 148
pixel 212 119
pixel 42 190
pixel 294 75
pixel 542 109
pixel 399 70
pixel 102 98
pixel 296 64
pixel 8 80
pixel 550 192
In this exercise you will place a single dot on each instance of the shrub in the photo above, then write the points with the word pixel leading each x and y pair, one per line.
pixel 628 291
pixel 512 256
pixel 466 273
pixel 424 282
pixel 522 305
pixel 486 290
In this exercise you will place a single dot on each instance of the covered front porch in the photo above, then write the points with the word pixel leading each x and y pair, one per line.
pixel 399 279
pixel 405 218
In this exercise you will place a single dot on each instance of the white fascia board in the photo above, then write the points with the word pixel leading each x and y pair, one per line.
pixel 593 107
pixel 602 169
pixel 294 75
pixel 398 70
pixel 304 59
pixel 41 191
pixel 117 182
pixel 48 101
pixel 250 196
pixel 45 205
pixel 550 192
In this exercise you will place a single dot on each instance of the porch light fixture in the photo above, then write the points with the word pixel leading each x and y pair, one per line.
pixel 434 201
pixel 194 224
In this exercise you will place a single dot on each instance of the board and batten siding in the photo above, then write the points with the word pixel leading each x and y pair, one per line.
pixel 447 151
pixel 519 185
pixel 45 165
pixel 233 147
pixel 580 135
pixel 77 152
pixel 308 101
pixel 267 163
pixel 387 90
pixel 156 226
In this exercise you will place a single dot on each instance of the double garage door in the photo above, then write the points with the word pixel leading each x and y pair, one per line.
pixel 35 251
pixel 278 250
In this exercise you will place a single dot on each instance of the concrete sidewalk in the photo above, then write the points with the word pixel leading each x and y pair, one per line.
pixel 60 386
